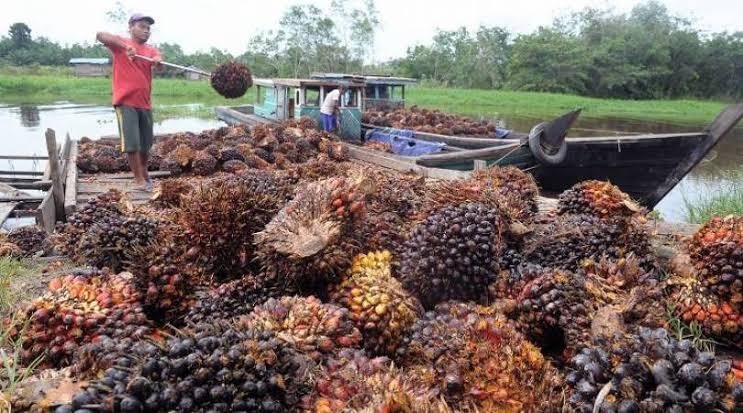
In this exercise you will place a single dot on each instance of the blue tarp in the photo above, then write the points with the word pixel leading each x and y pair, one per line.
pixel 403 142
pixel 501 133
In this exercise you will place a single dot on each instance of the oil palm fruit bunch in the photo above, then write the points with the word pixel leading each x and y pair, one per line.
pixel 509 283
pixel 210 368
pixel 171 191
pixel 234 166
pixel 182 156
pixel 569 239
pixel 235 298
pixel 599 198
pixel 314 328
pixel 76 310
pixel 9 249
pixel 654 373
pixel 98 156
pixel 453 254
pixel 692 301
pixel 379 306
pixel 29 238
pixel 555 311
pixel 516 189
pixel 625 272
pixel 203 164
pixel 716 251
pixel 473 358
pixel 220 217
pixel 351 381
pixel 107 242
pixel 162 279
pixel 439 195
pixel 103 207
pixel 309 242
pixel 231 79
pixel 383 231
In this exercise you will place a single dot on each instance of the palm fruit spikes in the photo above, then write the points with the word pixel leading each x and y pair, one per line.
pixel 30 239
pixel 377 302
pixel 653 372
pixel 599 198
pixel 312 327
pixel 453 254
pixel 716 251
pixel 309 242
pixel 516 190
pixel 220 217
pixel 107 242
pixel 473 358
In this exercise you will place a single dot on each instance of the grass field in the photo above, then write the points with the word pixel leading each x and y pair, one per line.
pixel 171 96
pixel 727 201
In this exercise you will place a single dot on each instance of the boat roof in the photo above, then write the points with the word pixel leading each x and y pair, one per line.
pixel 369 79
pixel 290 82
pixel 89 60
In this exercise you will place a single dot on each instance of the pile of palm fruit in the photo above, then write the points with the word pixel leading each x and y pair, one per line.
pixel 333 287
pixel 230 148
pixel 430 121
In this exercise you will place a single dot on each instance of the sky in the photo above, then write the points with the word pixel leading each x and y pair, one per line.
pixel 229 24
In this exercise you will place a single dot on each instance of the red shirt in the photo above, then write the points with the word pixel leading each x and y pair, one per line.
pixel 132 78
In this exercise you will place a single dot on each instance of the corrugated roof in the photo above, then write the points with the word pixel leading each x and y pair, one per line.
pixel 89 60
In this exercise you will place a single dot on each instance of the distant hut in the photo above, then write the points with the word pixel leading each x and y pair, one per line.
pixel 92 67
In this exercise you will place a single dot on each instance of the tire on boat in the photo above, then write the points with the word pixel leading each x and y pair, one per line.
pixel 545 155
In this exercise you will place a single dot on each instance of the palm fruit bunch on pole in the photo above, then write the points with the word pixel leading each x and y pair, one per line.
pixel 235 298
pixel 219 219
pixel 310 243
pixel 164 282
pixel 314 328
pixel 453 254
pixel 569 240
pixel 598 198
pixel 517 190
pixel 716 251
pixel 107 242
pixel 378 304
pixel 231 79
pixel 103 207
pixel 210 368
pixel 651 373
pixel 76 310
pixel 474 359
pixel 30 239
pixel 351 381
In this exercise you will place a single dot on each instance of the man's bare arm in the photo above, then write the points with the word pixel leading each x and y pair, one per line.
pixel 112 40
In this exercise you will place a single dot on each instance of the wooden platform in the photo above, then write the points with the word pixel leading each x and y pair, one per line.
pixel 90 186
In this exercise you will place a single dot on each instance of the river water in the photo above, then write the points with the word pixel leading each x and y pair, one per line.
pixel 22 133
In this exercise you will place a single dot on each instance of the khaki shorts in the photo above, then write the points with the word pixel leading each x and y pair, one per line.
pixel 135 128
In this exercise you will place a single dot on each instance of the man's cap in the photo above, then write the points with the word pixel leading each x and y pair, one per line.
pixel 139 16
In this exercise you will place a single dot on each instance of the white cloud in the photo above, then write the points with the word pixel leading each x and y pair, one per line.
pixel 228 24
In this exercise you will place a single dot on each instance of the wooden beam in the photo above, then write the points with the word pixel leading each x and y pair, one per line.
pixel 35 173
pixel 57 189
pixel 5 210
pixel 480 164
pixel 46 214
pixel 400 164
pixel 127 175
pixel 24 157
pixel 36 185
pixel 70 194
pixel 22 198
pixel 9 179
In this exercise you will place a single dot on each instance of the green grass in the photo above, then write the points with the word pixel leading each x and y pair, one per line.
pixel 494 103
pixel 11 373
pixel 45 85
pixel 9 268
pixel 727 201
pixel 692 331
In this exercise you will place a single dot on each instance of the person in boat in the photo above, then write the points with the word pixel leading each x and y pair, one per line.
pixel 132 92
pixel 330 108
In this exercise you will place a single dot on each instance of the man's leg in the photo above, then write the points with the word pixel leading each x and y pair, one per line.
pixel 128 121
pixel 147 137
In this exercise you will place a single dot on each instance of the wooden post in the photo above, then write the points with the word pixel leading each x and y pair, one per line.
pixel 56 174
pixel 480 164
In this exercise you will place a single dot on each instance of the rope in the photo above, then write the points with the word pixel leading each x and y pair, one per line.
pixel 509 153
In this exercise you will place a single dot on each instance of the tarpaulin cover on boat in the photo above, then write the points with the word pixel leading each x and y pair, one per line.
pixel 403 142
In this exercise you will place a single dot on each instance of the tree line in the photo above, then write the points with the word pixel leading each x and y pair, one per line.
pixel 646 53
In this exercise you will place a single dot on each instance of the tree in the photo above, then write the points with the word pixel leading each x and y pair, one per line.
pixel 20 35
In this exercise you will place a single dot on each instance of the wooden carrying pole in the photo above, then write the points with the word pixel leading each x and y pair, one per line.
pixel 56 174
